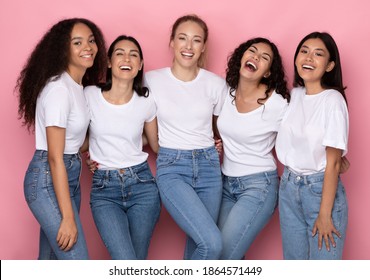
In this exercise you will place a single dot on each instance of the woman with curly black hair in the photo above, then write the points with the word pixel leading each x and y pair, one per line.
pixel 248 125
pixel 69 56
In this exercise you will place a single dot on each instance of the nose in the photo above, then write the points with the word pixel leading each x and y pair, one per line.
pixel 189 44
pixel 88 46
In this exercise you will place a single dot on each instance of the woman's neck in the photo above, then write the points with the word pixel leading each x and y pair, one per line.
pixel 120 92
pixel 185 74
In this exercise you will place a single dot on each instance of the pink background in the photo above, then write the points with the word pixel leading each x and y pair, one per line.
pixel 285 22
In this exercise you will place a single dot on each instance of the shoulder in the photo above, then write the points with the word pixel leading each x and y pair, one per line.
pixel 90 89
pixel 278 99
pixel 157 73
pixel 205 74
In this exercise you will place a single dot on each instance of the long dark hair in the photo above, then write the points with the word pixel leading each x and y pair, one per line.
pixel 275 81
pixel 50 58
pixel 138 80
pixel 332 79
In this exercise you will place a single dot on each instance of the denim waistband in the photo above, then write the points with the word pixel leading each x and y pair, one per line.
pixel 303 179
pixel 187 153
pixel 129 171
pixel 42 154
pixel 267 174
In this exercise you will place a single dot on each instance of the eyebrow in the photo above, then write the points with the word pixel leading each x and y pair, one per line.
pixel 184 34
pixel 120 49
pixel 318 49
pixel 80 38
pixel 264 53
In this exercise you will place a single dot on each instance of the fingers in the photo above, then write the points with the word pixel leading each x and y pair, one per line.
pixel 66 242
pixel 326 238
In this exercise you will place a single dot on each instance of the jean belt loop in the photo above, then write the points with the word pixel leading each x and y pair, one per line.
pixel 305 181
pixel 267 177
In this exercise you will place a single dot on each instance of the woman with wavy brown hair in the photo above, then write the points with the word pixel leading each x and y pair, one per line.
pixel 70 56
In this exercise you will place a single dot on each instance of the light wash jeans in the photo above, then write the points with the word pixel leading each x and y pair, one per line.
pixel 248 203
pixel 190 186
pixel 299 205
pixel 40 196
pixel 125 205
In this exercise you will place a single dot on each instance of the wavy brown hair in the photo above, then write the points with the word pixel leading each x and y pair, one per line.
pixel 49 59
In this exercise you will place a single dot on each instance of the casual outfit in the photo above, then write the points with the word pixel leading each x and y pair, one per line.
pixel 61 103
pixel 312 123
pixel 250 181
pixel 125 201
pixel 188 168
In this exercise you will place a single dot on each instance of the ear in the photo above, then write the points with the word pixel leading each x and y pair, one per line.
pixel 109 64
pixel 330 66
pixel 141 65
pixel 171 43
pixel 267 74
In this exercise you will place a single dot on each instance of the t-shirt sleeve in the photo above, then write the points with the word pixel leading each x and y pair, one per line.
pixel 57 106
pixel 221 95
pixel 336 125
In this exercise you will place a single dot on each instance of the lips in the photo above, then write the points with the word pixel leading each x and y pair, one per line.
pixel 251 66
pixel 187 54
pixel 308 67
pixel 125 67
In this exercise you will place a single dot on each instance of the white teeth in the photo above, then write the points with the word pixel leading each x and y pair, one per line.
pixel 251 65
pixel 125 67
pixel 87 55
pixel 307 67
pixel 187 54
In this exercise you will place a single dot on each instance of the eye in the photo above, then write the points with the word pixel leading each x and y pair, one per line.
pixel 303 51
pixel 182 38
pixel 134 55
pixel 266 58
pixel 319 54
pixel 92 41
pixel 77 43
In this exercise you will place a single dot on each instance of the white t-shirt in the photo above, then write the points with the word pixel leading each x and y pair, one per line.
pixel 115 131
pixel 312 123
pixel 62 103
pixel 185 109
pixel 248 138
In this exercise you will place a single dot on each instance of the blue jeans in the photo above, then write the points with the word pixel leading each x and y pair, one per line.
pixel 40 196
pixel 125 205
pixel 190 186
pixel 248 203
pixel 299 205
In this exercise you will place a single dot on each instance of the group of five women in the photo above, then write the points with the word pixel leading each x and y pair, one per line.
pixel 180 110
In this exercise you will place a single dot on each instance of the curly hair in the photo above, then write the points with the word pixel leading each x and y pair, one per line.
pixel 275 81
pixel 138 80
pixel 50 58
pixel 332 79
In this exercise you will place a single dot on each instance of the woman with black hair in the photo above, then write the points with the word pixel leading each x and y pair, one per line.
pixel 248 124
pixel 125 201
pixel 69 56
pixel 311 141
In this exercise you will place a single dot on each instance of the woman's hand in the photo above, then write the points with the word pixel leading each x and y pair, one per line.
pixel 325 228
pixel 218 146
pixel 345 165
pixel 91 164
pixel 67 234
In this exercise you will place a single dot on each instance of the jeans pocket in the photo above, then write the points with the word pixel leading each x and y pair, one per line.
pixel 316 189
pixel 213 158
pixel 145 176
pixel 30 184
pixel 97 183
pixel 164 160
